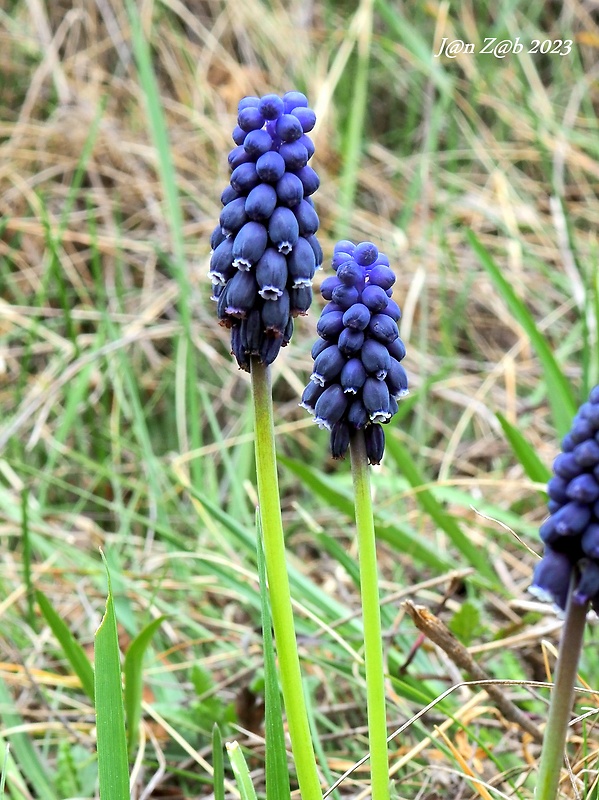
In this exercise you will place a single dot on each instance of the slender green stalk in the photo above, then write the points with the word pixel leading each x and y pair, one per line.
pixel 280 596
pixel 552 754
pixel 373 644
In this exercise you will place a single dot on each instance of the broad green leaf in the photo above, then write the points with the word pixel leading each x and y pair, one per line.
pixel 133 672
pixel 113 763
pixel 75 654
pixel 559 392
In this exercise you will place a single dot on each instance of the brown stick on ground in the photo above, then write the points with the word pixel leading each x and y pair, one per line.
pixel 436 631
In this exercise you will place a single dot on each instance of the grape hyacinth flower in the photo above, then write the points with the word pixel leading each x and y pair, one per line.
pixel 264 255
pixel 571 532
pixel 357 377
pixel 264 249
pixel 568 573
pixel 354 387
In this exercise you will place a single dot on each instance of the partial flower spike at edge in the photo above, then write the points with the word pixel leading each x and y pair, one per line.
pixel 568 573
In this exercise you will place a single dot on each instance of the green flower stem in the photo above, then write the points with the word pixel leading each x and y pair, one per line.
pixel 280 596
pixel 373 643
pixel 554 740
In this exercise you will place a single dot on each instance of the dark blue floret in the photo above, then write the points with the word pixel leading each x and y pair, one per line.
pixel 586 454
pixel 288 128
pixel 590 540
pixel 300 300
pixel 376 359
pixel 330 406
pixel 339 439
pixel 241 294
pixel 353 376
pixel 345 296
pixel 306 117
pixel 271 106
pixel 294 154
pixel 221 263
pixel 237 156
pixel 307 218
pixel 583 488
pixel 216 237
pixel 357 317
pixel 245 177
pixel 366 254
pixel 293 100
pixel 351 274
pixel 270 167
pixel 566 466
pixel 351 341
pixel 318 346
pixel 249 245
pixel 375 396
pixel 340 257
pixel 330 325
pixel 275 315
pixel 257 143
pixel 327 365
pixel 308 144
pixel 290 190
pixel 233 216
pixel 238 135
pixel 250 119
pixel 551 578
pixel 311 394
pixel 382 276
pixel 309 180
pixel 374 298
pixel 301 263
pixel 228 195
pixel 271 274
pixel 283 229
pixel 375 443
pixel 328 285
pixel 383 328
pixel 260 202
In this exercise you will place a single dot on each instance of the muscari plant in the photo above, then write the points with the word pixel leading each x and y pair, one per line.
pixel 355 385
pixel 568 573
pixel 264 256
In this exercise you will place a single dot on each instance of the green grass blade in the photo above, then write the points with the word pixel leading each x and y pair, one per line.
pixel 433 508
pixel 22 749
pixel 526 455
pixel 559 392
pixel 75 654
pixel 277 772
pixel 241 772
pixel 133 672
pixel 218 764
pixel 113 764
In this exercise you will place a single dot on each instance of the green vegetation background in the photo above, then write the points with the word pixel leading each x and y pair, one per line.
pixel 125 425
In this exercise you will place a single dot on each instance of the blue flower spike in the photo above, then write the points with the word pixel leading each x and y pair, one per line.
pixel 357 377
pixel 264 249
pixel 571 532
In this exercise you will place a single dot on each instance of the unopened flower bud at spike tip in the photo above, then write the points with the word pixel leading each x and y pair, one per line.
pixel 264 250
pixel 356 363
pixel 571 532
